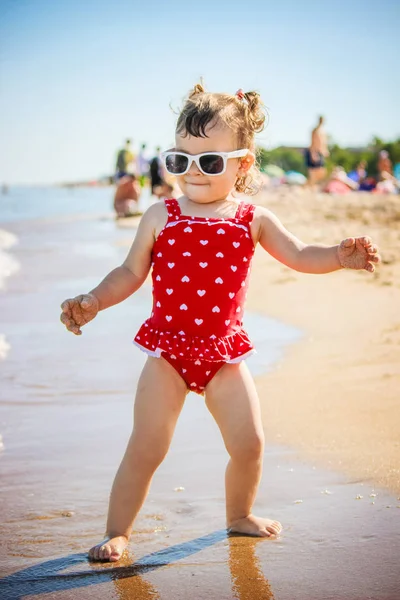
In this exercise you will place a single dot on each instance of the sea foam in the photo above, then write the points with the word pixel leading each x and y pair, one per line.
pixel 8 264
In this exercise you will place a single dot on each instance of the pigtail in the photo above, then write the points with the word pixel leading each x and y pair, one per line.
pixel 255 109
pixel 198 89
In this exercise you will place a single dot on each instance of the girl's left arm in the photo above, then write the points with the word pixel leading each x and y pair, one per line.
pixel 351 253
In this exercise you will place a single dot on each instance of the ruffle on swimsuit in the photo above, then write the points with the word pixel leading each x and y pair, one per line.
pixel 229 348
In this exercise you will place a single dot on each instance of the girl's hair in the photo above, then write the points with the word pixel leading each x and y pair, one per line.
pixel 242 112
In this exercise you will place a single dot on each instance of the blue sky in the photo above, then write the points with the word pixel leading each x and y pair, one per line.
pixel 78 77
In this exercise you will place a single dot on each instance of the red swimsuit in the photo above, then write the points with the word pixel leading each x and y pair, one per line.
pixel 200 275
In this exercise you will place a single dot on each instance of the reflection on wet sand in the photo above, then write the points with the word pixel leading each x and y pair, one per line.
pixel 134 586
pixel 248 581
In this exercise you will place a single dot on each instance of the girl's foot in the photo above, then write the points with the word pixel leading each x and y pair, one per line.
pixel 110 549
pixel 257 526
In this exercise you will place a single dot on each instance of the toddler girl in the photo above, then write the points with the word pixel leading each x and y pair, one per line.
pixel 199 249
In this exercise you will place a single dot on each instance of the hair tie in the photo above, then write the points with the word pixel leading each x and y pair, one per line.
pixel 240 94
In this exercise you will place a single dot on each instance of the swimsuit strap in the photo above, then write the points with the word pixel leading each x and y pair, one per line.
pixel 173 209
pixel 245 212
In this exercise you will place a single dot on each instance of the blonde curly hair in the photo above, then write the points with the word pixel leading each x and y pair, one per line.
pixel 243 112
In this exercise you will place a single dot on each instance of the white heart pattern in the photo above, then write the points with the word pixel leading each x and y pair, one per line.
pixel 238 309
pixel 168 317
pixel 169 291
pixel 203 242
pixel 221 231
pixel 233 268
pixel 236 244
pixel 203 265
pixel 171 242
pixel 208 372
pixel 181 333
pixel 227 322
pixel 219 280
pixel 201 292
pixel 159 254
pixel 219 255
pixel 158 278
pixel 185 278
pixel 171 265
pixel 244 259
pixel 184 370
pixel 213 337
pixel 183 307
pixel 188 230
pixel 197 362
pixel 198 321
pixel 231 295
pixel 216 309
pixel 158 305
pixel 187 254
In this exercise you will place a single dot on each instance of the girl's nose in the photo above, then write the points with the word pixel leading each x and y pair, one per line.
pixel 193 169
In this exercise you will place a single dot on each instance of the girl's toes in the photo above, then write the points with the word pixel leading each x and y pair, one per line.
pixel 274 528
pixel 265 533
pixel 104 552
pixel 115 556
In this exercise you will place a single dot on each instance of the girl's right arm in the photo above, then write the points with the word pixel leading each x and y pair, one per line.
pixel 122 281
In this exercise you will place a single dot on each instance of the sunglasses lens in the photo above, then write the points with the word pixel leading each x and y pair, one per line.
pixel 212 164
pixel 176 163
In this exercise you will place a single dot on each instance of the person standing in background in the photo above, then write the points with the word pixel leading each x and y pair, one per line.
pixel 156 171
pixel 316 154
pixel 384 165
pixel 142 166
pixel 125 159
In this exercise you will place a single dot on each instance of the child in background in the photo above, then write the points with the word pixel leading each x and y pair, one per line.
pixel 199 248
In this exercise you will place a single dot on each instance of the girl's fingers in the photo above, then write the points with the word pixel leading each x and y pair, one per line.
pixel 366 241
pixel 370 268
pixel 70 324
pixel 65 307
pixel 64 318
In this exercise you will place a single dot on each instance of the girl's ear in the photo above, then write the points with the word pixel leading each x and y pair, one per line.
pixel 246 163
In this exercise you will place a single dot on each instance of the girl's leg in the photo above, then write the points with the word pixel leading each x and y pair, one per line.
pixel 232 399
pixel 159 400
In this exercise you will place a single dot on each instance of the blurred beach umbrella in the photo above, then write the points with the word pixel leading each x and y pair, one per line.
pixel 273 171
pixel 295 178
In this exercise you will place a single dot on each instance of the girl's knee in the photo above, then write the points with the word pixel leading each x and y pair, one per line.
pixel 146 456
pixel 250 448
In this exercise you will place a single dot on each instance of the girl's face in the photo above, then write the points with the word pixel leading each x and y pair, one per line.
pixel 202 188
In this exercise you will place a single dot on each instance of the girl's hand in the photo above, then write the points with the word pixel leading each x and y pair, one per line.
pixel 358 253
pixel 79 311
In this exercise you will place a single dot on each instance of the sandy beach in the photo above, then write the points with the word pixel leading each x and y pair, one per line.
pixel 330 406
pixel 336 395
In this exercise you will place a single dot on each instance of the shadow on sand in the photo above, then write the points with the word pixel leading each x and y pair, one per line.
pixel 47 577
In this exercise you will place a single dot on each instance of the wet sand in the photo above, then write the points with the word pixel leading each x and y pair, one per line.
pixel 330 470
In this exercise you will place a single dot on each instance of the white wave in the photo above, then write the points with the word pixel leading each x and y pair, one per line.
pixel 7 239
pixel 4 346
pixel 8 264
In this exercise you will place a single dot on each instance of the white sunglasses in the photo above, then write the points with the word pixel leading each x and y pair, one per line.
pixel 209 163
